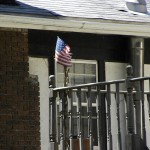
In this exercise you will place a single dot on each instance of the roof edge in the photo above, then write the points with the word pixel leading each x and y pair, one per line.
pixel 76 25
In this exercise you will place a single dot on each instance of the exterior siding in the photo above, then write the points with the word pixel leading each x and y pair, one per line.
pixel 19 95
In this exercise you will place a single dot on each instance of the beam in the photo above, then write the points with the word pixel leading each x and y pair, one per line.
pixel 76 25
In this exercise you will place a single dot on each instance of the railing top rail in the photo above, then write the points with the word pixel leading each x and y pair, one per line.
pixel 90 85
pixel 139 78
pixel 100 83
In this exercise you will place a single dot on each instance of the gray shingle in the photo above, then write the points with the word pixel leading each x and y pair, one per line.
pixel 97 9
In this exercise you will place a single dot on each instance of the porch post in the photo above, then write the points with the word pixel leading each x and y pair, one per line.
pixel 130 109
pixel 137 61
pixel 52 114
pixel 137 56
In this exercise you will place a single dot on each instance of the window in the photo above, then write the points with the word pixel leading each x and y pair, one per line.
pixel 81 72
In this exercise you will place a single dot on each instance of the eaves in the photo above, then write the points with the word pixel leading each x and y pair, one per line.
pixel 95 26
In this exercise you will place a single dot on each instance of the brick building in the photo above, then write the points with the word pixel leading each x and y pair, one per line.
pixel 97 39
pixel 19 94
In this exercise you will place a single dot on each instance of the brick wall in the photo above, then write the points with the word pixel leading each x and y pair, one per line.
pixel 19 96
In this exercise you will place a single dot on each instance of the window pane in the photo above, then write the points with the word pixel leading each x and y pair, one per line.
pixel 81 72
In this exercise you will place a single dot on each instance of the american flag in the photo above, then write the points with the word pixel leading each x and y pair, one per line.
pixel 62 53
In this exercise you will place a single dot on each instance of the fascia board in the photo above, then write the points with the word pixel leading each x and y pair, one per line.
pixel 76 25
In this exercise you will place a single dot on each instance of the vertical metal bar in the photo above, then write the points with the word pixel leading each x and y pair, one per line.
pixel 62 120
pixel 52 120
pixel 130 105
pixel 109 116
pixel 70 109
pixel 126 115
pixel 130 111
pixel 118 116
pixel 148 100
pixel 101 143
pixel 89 111
pixel 52 113
pixel 138 111
pixel 79 119
pixel 143 112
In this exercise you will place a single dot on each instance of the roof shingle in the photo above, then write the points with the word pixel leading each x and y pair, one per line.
pixel 93 9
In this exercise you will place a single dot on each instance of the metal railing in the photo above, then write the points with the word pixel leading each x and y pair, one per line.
pixel 106 95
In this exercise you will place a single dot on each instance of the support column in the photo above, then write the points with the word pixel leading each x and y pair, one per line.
pixel 137 61
pixel 137 56
pixel 130 109
pixel 52 115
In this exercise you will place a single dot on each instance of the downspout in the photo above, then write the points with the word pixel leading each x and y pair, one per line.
pixel 137 61
pixel 137 56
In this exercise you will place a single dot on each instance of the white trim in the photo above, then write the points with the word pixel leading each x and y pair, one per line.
pixel 76 25
pixel 82 104
pixel 76 61
pixel 39 67
pixel 85 61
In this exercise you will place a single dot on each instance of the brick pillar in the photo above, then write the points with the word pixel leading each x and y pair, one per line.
pixel 19 96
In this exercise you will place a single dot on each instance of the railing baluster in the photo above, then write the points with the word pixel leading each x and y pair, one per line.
pixel 99 106
pixel 52 114
pixel 130 104
pixel 126 114
pixel 143 112
pixel 70 109
pixel 52 121
pixel 62 120
pixel 132 138
pixel 79 119
pixel 130 110
pixel 89 111
pixel 138 109
pixel 148 100
pixel 108 94
pixel 118 116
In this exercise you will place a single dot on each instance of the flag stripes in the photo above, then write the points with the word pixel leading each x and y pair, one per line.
pixel 62 53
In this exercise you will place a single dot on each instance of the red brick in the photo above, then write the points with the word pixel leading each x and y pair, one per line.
pixel 19 99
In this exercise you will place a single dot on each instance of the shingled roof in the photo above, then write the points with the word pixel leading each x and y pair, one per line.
pixel 86 16
pixel 92 9
pixel 8 2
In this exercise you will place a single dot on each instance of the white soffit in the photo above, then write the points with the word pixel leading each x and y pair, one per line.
pixel 76 25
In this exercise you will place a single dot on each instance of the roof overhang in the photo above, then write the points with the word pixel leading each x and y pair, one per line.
pixel 96 26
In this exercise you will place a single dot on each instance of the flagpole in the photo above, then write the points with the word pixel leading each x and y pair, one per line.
pixel 66 77
pixel 63 57
pixel 66 81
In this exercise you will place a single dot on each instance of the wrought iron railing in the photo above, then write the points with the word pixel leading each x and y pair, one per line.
pixel 106 95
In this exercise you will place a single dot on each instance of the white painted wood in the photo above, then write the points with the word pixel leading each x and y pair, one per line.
pixel 147 122
pixel 39 66
pixel 76 25
pixel 115 71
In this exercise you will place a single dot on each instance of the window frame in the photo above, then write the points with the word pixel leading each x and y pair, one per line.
pixel 78 61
